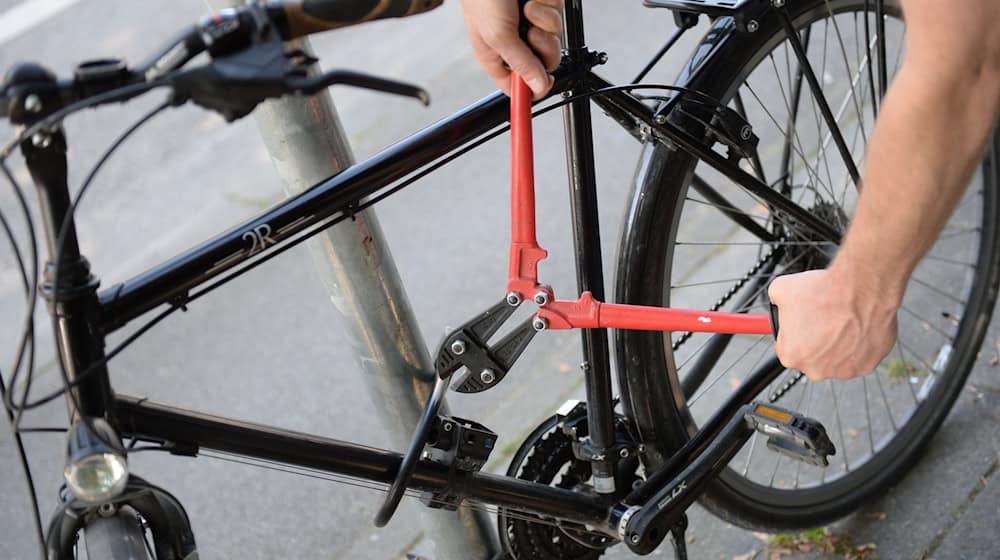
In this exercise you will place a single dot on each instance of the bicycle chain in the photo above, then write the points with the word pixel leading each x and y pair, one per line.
pixel 732 291
pixel 550 455
pixel 786 387
pixel 781 391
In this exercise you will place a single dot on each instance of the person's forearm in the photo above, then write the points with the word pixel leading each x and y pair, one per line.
pixel 927 142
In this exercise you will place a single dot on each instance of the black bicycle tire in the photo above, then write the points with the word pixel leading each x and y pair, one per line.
pixel 118 537
pixel 663 177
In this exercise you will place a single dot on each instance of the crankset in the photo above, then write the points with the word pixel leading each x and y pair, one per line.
pixel 551 455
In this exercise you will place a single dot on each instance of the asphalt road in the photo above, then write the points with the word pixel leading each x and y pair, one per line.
pixel 268 347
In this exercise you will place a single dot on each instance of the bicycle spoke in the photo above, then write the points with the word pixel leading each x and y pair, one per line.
pixel 918 281
pixel 950 261
pixel 840 426
pixel 885 401
pixel 786 152
pixel 819 96
pixel 796 149
pixel 794 132
pixel 823 152
pixel 798 464
pixel 756 244
pixel 876 98
pixel 957 233
pixel 753 445
pixel 728 369
pixel 868 416
pixel 924 321
pixel 713 196
pixel 727 209
pixel 902 358
pixel 847 65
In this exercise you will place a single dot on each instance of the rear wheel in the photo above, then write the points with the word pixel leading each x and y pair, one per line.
pixel 685 246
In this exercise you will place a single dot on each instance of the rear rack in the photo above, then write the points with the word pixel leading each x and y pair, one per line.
pixel 714 8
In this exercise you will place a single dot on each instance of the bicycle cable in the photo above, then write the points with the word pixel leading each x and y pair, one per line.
pixel 27 337
pixel 29 285
pixel 60 241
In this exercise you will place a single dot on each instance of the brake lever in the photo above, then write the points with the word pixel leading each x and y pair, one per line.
pixel 315 84
pixel 234 84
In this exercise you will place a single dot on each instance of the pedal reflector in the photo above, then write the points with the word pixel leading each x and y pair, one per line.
pixel 792 434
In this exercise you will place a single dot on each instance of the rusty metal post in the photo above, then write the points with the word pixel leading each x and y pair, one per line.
pixel 307 144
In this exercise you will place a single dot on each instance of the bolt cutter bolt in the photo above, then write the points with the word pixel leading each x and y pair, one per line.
pixel 41 140
pixel 514 299
pixel 458 347
pixel 487 376
pixel 540 324
pixel 541 298
pixel 33 103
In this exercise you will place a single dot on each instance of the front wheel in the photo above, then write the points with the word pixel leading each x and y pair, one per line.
pixel 119 536
pixel 144 522
pixel 694 241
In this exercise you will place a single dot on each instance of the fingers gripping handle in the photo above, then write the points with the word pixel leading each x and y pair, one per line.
pixel 303 17
pixel 524 25
pixel 772 309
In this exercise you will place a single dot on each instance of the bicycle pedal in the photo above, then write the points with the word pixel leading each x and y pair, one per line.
pixel 792 434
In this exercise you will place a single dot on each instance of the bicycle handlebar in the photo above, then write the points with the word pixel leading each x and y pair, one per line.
pixel 228 32
pixel 297 18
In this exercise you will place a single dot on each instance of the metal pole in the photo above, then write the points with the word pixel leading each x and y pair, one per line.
pixel 306 142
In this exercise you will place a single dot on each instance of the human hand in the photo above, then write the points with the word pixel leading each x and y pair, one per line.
pixel 834 324
pixel 493 30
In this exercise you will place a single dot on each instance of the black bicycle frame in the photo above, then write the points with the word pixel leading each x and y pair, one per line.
pixel 86 316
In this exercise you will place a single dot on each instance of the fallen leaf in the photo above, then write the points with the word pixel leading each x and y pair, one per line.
pixel 852 433
pixel 747 556
pixel 734 383
pixel 763 537
pixel 877 515
pixel 691 539
pixel 565 367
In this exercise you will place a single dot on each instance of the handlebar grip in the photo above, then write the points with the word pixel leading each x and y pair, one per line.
pixel 303 17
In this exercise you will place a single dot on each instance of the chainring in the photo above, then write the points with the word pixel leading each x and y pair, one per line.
pixel 546 457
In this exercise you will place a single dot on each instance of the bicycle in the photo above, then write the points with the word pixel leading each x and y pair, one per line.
pixel 591 502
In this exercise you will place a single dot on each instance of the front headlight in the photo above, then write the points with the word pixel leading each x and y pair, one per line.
pixel 95 472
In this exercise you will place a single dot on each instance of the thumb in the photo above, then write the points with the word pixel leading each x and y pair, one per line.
pixel 776 290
